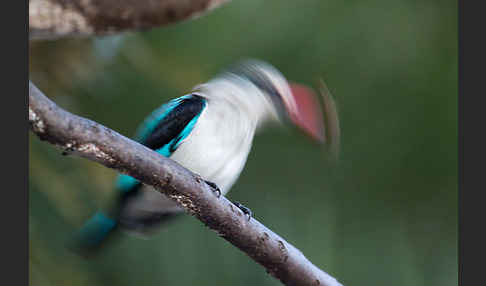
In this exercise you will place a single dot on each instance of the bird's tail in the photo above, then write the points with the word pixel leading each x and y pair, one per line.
pixel 93 234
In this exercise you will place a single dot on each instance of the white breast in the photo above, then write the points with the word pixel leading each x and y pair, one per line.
pixel 219 144
pixel 217 147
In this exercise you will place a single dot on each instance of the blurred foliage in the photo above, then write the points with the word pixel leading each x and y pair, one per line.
pixel 385 214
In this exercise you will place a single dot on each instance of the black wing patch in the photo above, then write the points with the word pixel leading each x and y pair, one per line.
pixel 171 126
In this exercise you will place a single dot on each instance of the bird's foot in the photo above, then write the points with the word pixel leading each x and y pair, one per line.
pixel 68 149
pixel 214 188
pixel 244 209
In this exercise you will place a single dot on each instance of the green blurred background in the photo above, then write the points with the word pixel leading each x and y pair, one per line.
pixel 385 214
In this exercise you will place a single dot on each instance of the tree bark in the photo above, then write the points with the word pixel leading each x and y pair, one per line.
pixel 88 139
pixel 50 19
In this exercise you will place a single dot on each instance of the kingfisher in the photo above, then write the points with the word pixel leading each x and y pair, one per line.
pixel 210 132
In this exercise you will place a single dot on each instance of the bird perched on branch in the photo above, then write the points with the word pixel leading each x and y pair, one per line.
pixel 210 132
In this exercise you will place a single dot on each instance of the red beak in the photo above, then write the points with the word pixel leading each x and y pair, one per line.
pixel 308 116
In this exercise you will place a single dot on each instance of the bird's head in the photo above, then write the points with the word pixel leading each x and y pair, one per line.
pixel 289 102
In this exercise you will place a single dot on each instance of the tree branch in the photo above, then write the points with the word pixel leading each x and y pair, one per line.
pixel 49 19
pixel 88 139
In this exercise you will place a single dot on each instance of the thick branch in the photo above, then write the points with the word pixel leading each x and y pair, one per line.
pixel 88 139
pixel 50 19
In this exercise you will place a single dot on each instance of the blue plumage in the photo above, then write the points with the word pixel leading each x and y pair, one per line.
pixel 150 123
pixel 94 232
pixel 166 115
pixel 125 183
pixel 163 131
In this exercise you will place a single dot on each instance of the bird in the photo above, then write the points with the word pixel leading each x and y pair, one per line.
pixel 209 131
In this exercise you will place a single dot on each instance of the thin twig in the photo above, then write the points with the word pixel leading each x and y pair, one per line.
pixel 85 138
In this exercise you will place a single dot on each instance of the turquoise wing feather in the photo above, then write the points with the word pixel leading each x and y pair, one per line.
pixel 163 131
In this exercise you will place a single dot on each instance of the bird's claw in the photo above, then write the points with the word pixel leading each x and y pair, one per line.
pixel 244 209
pixel 68 149
pixel 214 187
